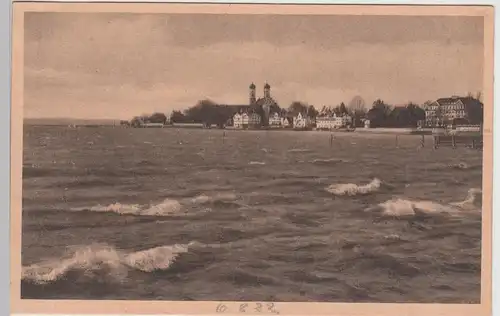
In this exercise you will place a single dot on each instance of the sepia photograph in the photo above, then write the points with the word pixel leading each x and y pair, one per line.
pixel 253 156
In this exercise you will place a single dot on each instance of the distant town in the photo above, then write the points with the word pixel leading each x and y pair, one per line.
pixel 265 113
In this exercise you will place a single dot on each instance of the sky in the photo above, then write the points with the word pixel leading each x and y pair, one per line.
pixel 116 66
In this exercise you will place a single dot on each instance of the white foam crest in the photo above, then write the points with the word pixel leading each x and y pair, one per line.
pixel 256 163
pixel 352 189
pixel 401 207
pixel 473 199
pixel 102 262
pixel 331 160
pixel 203 198
pixel 200 199
pixel 117 208
pixel 165 208
pixel 88 260
pixel 461 165
pixel 299 150
pixel 159 258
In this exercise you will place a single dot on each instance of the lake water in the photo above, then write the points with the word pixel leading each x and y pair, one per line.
pixel 187 214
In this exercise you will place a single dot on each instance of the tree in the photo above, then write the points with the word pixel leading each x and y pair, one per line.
pixel 379 114
pixel 158 118
pixel 399 117
pixel 136 121
pixel 416 114
pixel 357 104
pixel 297 107
pixel 208 113
pixel 406 116
pixel 274 108
pixel 343 109
pixel 336 110
pixel 474 109
pixel 357 110
pixel 312 112
pixel 178 117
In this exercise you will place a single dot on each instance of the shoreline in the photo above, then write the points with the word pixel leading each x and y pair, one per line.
pixel 357 131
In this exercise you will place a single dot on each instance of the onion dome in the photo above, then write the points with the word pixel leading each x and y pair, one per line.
pixel 252 86
pixel 267 86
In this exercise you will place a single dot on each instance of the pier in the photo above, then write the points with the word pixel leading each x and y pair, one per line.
pixel 470 136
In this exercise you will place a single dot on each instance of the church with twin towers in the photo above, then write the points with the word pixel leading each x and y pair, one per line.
pixel 262 106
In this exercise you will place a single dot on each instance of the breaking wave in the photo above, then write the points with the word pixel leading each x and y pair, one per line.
pixel 100 262
pixel 399 207
pixel 221 197
pixel 256 163
pixel 352 189
pixel 167 207
pixel 473 199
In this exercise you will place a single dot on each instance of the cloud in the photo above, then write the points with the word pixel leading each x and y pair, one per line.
pixel 126 66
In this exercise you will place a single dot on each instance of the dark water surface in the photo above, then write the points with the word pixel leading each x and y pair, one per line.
pixel 179 214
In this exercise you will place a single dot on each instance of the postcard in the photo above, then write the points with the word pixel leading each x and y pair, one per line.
pixel 251 159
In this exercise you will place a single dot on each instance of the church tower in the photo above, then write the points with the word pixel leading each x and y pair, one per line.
pixel 253 97
pixel 266 107
pixel 267 90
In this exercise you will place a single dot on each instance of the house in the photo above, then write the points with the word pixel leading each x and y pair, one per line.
pixel 285 122
pixel 448 110
pixel 240 120
pixel 237 121
pixel 168 119
pixel 301 121
pixel 275 120
pixel 254 120
pixel 328 122
pixel 325 122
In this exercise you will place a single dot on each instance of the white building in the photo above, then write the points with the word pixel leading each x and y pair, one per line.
pixel 240 120
pixel 275 120
pixel 285 122
pixel 333 122
pixel 237 122
pixel 302 121
pixel 254 120
pixel 326 122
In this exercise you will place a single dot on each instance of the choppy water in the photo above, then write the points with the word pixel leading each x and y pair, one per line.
pixel 178 214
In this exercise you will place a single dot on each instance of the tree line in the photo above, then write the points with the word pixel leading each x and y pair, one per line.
pixel 209 113
pixel 384 115
pixel 381 114
pixel 158 118
pixel 412 115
